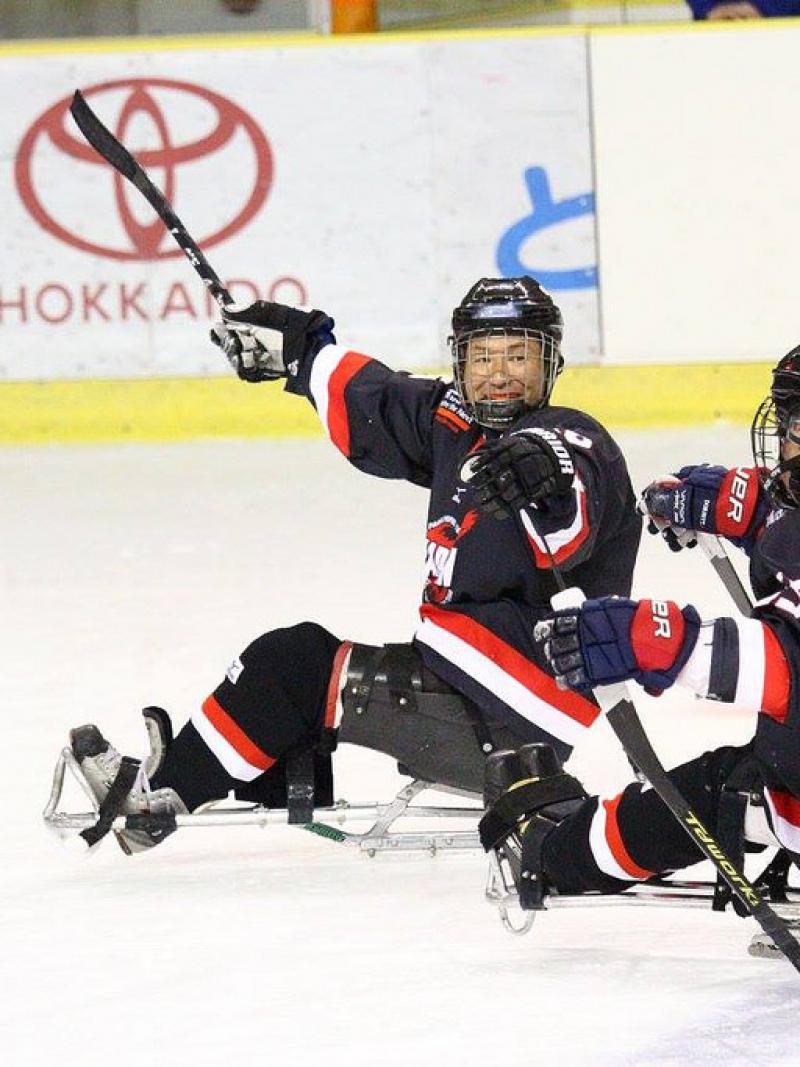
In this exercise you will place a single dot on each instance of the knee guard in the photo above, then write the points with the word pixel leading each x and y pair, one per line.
pixel 393 704
pixel 275 693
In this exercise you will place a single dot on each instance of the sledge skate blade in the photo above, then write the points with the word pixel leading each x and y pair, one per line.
pixel 327 822
pixel 501 893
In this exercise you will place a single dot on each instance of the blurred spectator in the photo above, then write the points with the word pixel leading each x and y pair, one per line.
pixel 241 7
pixel 743 9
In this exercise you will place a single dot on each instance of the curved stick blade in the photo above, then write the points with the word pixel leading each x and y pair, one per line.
pixel 101 139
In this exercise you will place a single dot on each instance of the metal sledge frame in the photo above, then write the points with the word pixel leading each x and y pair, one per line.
pixel 380 837
pixel 327 822
pixel 657 892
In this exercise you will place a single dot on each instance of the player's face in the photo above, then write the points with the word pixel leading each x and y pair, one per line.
pixel 790 445
pixel 504 367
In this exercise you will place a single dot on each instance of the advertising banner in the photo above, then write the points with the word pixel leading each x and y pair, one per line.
pixel 375 180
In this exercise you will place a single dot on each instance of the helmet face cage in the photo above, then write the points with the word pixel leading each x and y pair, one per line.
pixel 772 426
pixel 489 321
pixel 481 355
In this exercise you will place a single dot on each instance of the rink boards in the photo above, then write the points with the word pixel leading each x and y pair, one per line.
pixel 376 178
pixel 182 409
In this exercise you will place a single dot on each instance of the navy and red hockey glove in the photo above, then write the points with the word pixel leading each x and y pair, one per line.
pixel 527 467
pixel 615 640
pixel 707 499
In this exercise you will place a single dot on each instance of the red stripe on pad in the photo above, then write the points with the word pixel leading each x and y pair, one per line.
pixel 519 667
pixel 235 735
pixel 338 422
pixel 333 685
pixel 616 844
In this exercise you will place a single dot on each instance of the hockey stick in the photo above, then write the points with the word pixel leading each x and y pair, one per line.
pixel 715 553
pixel 115 153
pixel 624 720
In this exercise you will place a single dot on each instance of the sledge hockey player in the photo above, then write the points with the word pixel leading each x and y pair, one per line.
pixel 562 840
pixel 514 484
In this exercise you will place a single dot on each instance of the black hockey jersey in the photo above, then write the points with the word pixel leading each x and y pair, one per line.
pixel 775 575
pixel 755 663
pixel 488 580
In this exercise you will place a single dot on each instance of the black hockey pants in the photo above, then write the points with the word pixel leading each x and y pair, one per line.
pixel 277 698
pixel 607 844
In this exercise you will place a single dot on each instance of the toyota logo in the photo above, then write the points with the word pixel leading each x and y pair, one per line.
pixel 189 123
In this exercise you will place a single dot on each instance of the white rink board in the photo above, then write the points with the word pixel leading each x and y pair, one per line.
pixel 699 204
pixel 396 171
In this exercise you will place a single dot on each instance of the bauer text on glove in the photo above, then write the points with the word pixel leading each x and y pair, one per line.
pixel 708 499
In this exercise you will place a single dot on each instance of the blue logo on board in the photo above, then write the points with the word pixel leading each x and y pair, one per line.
pixel 545 212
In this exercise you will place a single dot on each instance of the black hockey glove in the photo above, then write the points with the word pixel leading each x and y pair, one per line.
pixel 266 341
pixel 524 468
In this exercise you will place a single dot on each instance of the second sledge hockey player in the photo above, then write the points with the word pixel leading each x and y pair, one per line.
pixel 514 484
pixel 568 842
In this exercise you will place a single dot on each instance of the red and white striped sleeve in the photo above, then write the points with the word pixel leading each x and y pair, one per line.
pixel 740 661
pixel 334 368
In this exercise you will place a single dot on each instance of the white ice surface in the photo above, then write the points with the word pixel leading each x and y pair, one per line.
pixel 133 575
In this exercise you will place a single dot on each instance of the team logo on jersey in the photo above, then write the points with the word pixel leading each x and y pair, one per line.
pixel 443 537
pixel 452 413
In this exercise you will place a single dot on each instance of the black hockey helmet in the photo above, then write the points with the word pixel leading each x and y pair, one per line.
pixel 507 307
pixel 776 421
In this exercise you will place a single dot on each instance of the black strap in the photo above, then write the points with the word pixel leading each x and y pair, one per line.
pixel 742 784
pixel 328 741
pixel 113 802
pixel 403 677
pixel 775 876
pixel 300 786
pixel 532 884
pixel 364 685
pixel 519 803
pixel 483 734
